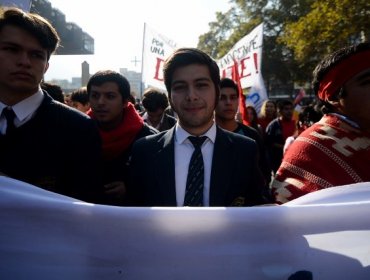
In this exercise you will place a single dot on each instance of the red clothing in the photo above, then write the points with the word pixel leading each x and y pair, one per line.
pixel 288 127
pixel 329 153
pixel 117 140
pixel 264 122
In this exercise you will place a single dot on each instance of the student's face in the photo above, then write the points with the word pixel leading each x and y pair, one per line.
pixel 270 108
pixel 250 115
pixel 193 97
pixel 23 62
pixel 80 107
pixel 227 105
pixel 287 112
pixel 107 104
pixel 356 103
pixel 156 116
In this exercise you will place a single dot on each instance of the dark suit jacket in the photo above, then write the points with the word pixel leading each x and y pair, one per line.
pixel 263 160
pixel 58 149
pixel 167 122
pixel 235 177
pixel 117 169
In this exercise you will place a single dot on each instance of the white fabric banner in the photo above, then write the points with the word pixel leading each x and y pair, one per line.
pixel 25 5
pixel 246 54
pixel 48 236
pixel 156 48
pixel 256 94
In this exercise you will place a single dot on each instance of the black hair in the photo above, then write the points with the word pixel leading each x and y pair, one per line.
pixel 105 76
pixel 154 99
pixel 282 103
pixel 35 24
pixel 187 56
pixel 229 83
pixel 80 95
pixel 55 91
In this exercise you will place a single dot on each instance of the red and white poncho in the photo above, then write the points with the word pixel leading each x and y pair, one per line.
pixel 329 153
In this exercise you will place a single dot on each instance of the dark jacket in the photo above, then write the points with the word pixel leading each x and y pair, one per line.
pixel 275 143
pixel 167 122
pixel 235 177
pixel 263 160
pixel 117 168
pixel 58 149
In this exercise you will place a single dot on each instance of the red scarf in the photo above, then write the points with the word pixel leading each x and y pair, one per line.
pixel 119 139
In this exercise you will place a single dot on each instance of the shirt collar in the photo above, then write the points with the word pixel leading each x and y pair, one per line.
pixel 182 135
pixel 27 106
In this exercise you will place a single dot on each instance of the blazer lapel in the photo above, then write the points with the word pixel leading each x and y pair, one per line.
pixel 165 169
pixel 222 169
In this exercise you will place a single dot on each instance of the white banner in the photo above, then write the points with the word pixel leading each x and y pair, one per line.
pixel 247 55
pixel 25 5
pixel 256 95
pixel 156 48
pixel 48 236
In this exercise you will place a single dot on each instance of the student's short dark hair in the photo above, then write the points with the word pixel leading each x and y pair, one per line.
pixel 35 24
pixel 310 114
pixel 54 90
pixel 229 83
pixel 186 56
pixel 80 95
pixel 154 99
pixel 282 103
pixel 105 76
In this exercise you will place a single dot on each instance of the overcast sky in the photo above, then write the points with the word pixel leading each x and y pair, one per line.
pixel 117 27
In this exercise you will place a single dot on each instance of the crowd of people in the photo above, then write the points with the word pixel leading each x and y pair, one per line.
pixel 185 147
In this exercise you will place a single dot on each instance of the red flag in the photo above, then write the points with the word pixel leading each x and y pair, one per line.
pixel 242 109
pixel 299 96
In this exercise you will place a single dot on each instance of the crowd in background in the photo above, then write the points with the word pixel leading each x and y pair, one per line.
pixel 103 145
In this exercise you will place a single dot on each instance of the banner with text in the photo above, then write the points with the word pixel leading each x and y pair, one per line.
pixel 243 64
pixel 156 48
pixel 323 235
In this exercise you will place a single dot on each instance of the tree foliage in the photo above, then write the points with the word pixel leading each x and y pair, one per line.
pixel 329 25
pixel 297 33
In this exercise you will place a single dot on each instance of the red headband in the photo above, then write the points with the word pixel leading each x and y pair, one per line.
pixel 342 72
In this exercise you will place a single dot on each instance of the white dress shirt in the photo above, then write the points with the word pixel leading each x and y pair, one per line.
pixel 23 110
pixel 183 151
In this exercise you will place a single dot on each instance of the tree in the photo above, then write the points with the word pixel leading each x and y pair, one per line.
pixel 298 33
pixel 329 25
pixel 279 68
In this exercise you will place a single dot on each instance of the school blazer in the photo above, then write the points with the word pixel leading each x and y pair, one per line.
pixel 236 179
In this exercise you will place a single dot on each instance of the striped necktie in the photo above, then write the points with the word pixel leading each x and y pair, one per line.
pixel 195 179
pixel 9 116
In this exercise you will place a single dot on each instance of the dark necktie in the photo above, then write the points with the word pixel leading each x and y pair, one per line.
pixel 9 116
pixel 195 179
